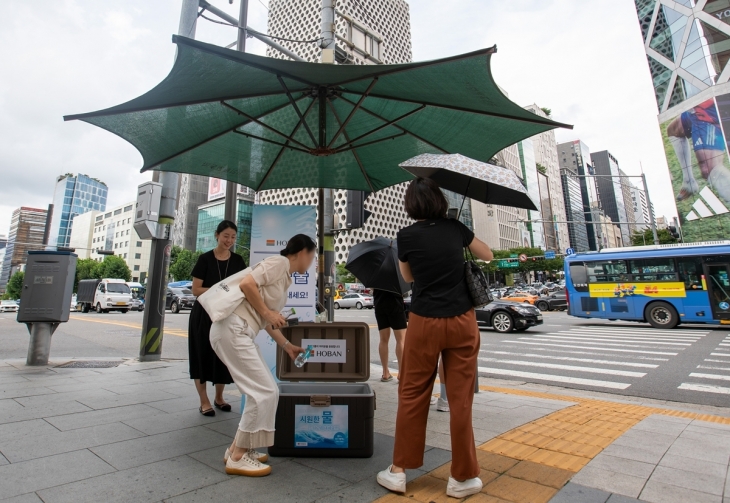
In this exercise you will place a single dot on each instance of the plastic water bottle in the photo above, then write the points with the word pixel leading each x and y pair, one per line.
pixel 303 357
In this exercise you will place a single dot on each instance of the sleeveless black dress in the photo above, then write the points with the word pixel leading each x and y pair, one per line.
pixel 204 363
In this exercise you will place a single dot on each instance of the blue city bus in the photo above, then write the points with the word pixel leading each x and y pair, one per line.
pixel 664 285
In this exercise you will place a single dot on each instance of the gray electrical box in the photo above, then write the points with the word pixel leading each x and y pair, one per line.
pixel 147 212
pixel 47 287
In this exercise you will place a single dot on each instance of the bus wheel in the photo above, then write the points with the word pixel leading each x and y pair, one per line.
pixel 661 315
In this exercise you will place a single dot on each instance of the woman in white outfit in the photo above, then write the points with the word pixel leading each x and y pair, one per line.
pixel 232 338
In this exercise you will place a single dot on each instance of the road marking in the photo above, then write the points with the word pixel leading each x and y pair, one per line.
pixel 611 338
pixel 720 354
pixel 708 367
pixel 557 378
pixel 716 361
pixel 571 359
pixel 592 370
pixel 557 338
pixel 704 387
pixel 630 336
pixel 700 333
pixel 167 331
pixel 595 349
pixel 710 376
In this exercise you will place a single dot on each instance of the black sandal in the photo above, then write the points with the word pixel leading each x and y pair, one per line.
pixel 207 413
pixel 225 407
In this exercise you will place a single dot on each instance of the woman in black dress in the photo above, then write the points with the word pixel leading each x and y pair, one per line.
pixel 205 366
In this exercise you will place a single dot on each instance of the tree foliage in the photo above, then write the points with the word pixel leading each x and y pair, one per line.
pixel 86 268
pixel 647 237
pixel 345 276
pixel 113 266
pixel 15 286
pixel 181 268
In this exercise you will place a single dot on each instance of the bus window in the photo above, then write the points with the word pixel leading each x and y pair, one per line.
pixel 653 269
pixel 690 271
pixel 607 271
pixel 578 277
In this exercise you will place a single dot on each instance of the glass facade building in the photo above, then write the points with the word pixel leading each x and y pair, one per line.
pixel 612 189
pixel 573 198
pixel 455 201
pixel 73 195
pixel 211 214
pixel 530 178
pixel 687 45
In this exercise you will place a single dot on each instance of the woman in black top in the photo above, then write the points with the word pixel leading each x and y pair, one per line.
pixel 441 321
pixel 205 366
pixel 390 314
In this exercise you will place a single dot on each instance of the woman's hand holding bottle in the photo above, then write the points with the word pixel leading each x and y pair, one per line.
pixel 275 318
pixel 293 351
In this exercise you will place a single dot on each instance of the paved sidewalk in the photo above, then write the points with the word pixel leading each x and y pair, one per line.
pixel 133 433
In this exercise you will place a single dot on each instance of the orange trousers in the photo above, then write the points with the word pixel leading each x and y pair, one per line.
pixel 457 340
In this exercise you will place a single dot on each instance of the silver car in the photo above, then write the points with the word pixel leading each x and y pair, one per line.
pixel 8 306
pixel 356 300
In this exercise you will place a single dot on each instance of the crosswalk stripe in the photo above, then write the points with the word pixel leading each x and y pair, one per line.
pixel 612 338
pixel 596 348
pixel 647 331
pixel 710 376
pixel 629 336
pixel 709 367
pixel 557 378
pixel 555 338
pixel 704 387
pixel 720 354
pixel 571 359
pixel 716 361
pixel 570 352
pixel 577 368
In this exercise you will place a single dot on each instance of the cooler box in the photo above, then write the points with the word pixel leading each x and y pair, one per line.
pixel 326 409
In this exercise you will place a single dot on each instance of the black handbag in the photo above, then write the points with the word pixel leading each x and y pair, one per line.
pixel 476 281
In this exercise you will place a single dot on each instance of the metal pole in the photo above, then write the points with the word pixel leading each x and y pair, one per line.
pixel 39 347
pixel 651 213
pixel 153 321
pixel 325 242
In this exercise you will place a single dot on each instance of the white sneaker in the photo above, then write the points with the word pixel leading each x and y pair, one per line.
pixel 395 482
pixel 433 400
pixel 247 466
pixel 261 456
pixel 457 489
pixel 442 405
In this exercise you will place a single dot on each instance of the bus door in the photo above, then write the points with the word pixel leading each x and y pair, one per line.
pixel 717 277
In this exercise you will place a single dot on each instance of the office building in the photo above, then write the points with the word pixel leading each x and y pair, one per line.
pixel 73 195
pixel 368 32
pixel 608 233
pixel 614 192
pixel 534 224
pixel 27 227
pixel 550 226
pixel 641 209
pixel 211 213
pixel 546 157
pixel 502 227
pixel 192 192
pixel 112 230
pixel 687 45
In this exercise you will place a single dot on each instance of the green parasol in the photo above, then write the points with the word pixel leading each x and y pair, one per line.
pixel 270 123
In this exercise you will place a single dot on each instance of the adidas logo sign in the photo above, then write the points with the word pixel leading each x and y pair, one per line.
pixel 700 207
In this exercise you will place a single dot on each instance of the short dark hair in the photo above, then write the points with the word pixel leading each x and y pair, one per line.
pixel 226 224
pixel 424 200
pixel 298 243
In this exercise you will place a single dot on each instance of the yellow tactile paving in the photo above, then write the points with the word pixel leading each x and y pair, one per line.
pixel 532 462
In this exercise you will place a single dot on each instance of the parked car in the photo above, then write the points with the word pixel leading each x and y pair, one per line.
pixel 8 306
pixel 521 297
pixel 180 284
pixel 137 304
pixel 555 301
pixel 504 316
pixel 177 299
pixel 356 300
pixel 104 295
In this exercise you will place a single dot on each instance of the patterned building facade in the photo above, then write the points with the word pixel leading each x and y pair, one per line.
pixel 388 41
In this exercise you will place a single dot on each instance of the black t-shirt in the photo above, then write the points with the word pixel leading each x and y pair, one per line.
pixel 386 301
pixel 211 270
pixel 435 251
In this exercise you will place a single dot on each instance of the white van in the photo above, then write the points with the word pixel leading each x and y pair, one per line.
pixel 104 295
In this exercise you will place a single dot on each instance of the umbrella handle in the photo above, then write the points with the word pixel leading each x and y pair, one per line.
pixel 464 199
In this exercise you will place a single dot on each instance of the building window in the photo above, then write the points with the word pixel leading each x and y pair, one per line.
pixel 126 243
pixel 138 255
pixel 127 232
pixel 136 268
pixel 139 244
pixel 128 208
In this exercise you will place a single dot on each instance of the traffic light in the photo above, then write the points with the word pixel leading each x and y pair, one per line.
pixel 673 231
pixel 357 215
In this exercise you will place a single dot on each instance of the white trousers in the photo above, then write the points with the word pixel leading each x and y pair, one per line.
pixel 233 341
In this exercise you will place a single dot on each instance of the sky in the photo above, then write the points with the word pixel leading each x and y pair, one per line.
pixel 583 59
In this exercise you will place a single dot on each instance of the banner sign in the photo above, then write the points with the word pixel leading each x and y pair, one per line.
pixel 321 427
pixel 660 289
pixel 326 351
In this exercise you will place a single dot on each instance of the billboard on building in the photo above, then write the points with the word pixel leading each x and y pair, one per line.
pixel 696 142
pixel 217 189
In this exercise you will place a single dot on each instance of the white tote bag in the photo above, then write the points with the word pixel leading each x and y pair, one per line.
pixel 220 300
